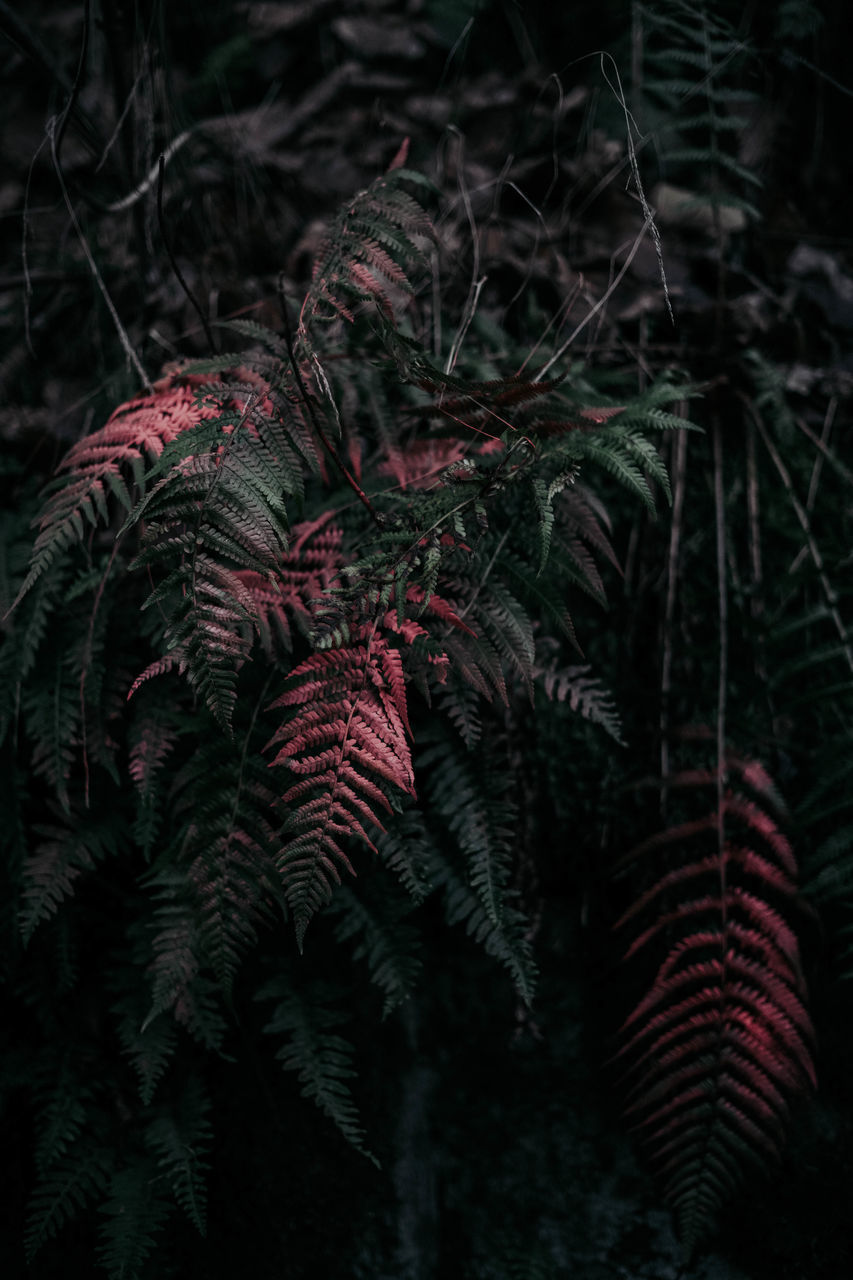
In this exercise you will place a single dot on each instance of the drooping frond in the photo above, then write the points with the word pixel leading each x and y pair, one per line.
pixel 721 1041
pixel 584 693
pixel 225 842
pixel 72 1158
pixel 62 855
pixel 473 798
pixel 406 849
pixel 507 941
pixel 135 1213
pixel 148 1043
pixel 179 1137
pixel 70 1184
pixel 346 742
pixel 110 465
pixel 383 939
pixel 178 986
pixel 321 1058
pixel 374 242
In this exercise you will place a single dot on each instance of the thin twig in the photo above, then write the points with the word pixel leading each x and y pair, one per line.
pixel 723 669
pixel 161 222
pixel 315 421
pixel 476 284
pixel 828 420
pixel 679 477
pixel 603 300
pixel 830 594
pixel 132 357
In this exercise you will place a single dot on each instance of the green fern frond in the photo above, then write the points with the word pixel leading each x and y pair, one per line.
pixel 224 845
pixel 584 693
pixel 177 984
pixel 179 1138
pixel 320 1057
pixel 406 849
pixel 148 1043
pixel 69 1185
pixel 473 799
pixel 51 714
pixel 385 941
pixel 135 1214
pixel 507 942
pixel 62 855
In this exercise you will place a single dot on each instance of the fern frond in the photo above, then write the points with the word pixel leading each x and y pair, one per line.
pixel 135 1213
pixel 148 1043
pixel 110 465
pixel 177 984
pixel 584 693
pixel 346 743
pixel 406 849
pixel 385 941
pixel 179 1138
pixel 62 855
pixel 70 1184
pixel 473 799
pixel 721 1041
pixel 507 942
pixel 320 1057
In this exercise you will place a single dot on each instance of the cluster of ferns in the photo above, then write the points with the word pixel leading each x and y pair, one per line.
pixel 289 614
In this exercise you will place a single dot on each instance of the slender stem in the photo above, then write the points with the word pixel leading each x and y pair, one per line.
pixel 315 421
pixel 722 678
pixel 678 486
pixel 830 594
pixel 161 222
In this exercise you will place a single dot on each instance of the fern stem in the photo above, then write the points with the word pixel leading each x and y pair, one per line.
pixel 828 420
pixel 602 301
pixel 678 486
pixel 722 677
pixel 161 222
pixel 84 665
pixel 315 422
pixel 802 515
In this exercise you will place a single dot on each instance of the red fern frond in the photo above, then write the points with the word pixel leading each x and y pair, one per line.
pixel 721 1041
pixel 345 742
pixel 98 467
pixel 310 565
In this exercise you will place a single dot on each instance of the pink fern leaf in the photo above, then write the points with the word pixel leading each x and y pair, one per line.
pixel 721 1042
pixel 132 439
pixel 346 741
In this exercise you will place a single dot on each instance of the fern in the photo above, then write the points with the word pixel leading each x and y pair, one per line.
pixel 235 569
pixel 346 743
pixel 584 693
pixel 71 1183
pixel 63 854
pixel 177 1137
pixel 385 941
pixel 473 797
pixel 320 1057
pixel 135 1214
pixel 721 1041
pixel 508 941
pixel 109 467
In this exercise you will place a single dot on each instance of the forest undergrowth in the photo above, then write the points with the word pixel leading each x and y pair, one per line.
pixel 426 674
